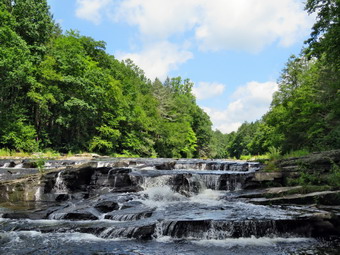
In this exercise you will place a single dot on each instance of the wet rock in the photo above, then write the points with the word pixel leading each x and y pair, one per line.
pixel 131 204
pixel 106 206
pixel 181 229
pixel 29 164
pixel 14 163
pixel 62 197
pixel 119 177
pixel 239 167
pixel 17 215
pixel 166 165
pixel 32 215
pixel 141 232
pixel 78 178
pixel 128 216
pixel 79 216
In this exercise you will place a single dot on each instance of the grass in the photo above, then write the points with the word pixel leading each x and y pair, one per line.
pixel 261 158
pixel 274 153
pixel 47 154
pixel 116 155
pixel 10 153
pixel 296 154
pixel 334 176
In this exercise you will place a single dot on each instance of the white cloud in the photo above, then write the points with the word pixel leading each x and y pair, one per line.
pixel 91 9
pixel 248 25
pixel 206 90
pixel 218 25
pixel 251 24
pixel 158 18
pixel 158 59
pixel 249 103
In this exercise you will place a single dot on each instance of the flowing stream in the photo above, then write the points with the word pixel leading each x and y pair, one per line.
pixel 158 206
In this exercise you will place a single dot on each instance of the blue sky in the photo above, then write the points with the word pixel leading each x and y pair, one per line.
pixel 233 50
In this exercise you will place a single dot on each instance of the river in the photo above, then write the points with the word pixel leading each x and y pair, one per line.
pixel 154 206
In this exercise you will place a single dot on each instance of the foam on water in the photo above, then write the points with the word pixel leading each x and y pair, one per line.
pixel 6 165
pixel 152 182
pixel 208 197
pixel 161 196
pixel 252 241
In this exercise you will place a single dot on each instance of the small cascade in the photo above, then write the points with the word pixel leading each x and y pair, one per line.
pixel 39 193
pixel 210 181
pixel 140 232
pixel 161 197
pixel 152 182
pixel 60 186
pixel 105 164
pixel 6 165
pixel 166 202
pixel 215 230
pixel 129 216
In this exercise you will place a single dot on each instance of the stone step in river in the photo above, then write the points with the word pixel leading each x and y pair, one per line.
pixel 152 206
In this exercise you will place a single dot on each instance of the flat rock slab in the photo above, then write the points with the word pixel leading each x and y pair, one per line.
pixel 323 197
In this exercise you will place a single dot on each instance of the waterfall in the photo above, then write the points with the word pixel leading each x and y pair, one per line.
pixel 152 182
pixel 179 206
pixel 60 186
pixel 38 194
pixel 210 181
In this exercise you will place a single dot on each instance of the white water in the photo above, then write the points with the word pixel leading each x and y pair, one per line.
pixel 169 209
pixel 251 241
pixel 60 187
pixel 6 165
pixel 39 193
pixel 208 197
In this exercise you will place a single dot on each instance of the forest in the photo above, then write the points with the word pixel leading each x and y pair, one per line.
pixel 62 91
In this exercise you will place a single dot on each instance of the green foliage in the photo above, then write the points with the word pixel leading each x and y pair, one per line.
pixel 40 162
pixel 334 176
pixel 5 152
pixel 63 91
pixel 274 153
pixel 297 153
pixel 305 111
pixel 219 145
pixel 20 136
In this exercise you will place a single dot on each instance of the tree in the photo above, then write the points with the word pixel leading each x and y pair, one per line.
pixel 16 131
pixel 325 32
pixel 34 24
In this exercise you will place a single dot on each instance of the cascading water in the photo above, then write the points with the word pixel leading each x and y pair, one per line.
pixel 184 207
pixel 60 187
